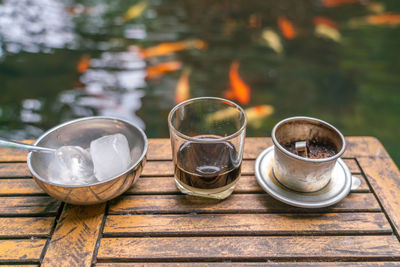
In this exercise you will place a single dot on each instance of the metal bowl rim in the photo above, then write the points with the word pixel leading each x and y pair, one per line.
pixel 141 158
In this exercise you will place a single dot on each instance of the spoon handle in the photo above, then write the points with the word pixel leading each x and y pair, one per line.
pixel 17 145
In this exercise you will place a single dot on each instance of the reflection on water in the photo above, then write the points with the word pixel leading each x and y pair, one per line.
pixel 115 70
pixel 34 26
pixel 332 59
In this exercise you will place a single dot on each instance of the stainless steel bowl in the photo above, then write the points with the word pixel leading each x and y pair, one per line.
pixel 81 132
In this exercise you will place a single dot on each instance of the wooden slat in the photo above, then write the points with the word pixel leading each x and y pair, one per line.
pixel 19 186
pixel 153 168
pixel 238 264
pixel 363 146
pixel 28 186
pixel 261 248
pixel 251 224
pixel 253 146
pixel 21 250
pixel 166 168
pixel 158 168
pixel 7 154
pixel 14 170
pixel 17 227
pixel 18 265
pixel 363 186
pixel 353 264
pixel 160 148
pixel 384 178
pixel 74 239
pixel 207 228
pixel 353 166
pixel 166 185
pixel 145 185
pixel 40 205
pixel 236 203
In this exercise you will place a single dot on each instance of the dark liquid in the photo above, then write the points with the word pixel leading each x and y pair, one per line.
pixel 207 166
pixel 315 150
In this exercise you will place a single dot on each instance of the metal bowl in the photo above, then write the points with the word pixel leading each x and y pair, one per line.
pixel 81 132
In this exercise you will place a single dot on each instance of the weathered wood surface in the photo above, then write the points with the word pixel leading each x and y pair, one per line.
pixel 14 155
pixel 19 187
pixel 261 263
pixel 254 248
pixel 21 250
pixel 236 203
pixel 22 205
pixel 14 170
pixel 74 240
pixel 386 183
pixel 26 227
pixel 153 224
pixel 251 224
pixel 145 185
pixel 166 168
pixel 246 184
pixel 160 148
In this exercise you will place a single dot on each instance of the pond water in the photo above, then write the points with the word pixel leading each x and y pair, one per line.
pixel 336 60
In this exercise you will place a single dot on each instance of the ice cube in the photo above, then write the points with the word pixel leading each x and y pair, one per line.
pixel 110 155
pixel 71 165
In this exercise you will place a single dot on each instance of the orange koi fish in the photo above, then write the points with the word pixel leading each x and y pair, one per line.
pixel 182 91
pixel 286 27
pixel 328 32
pixel 258 112
pixel 327 28
pixel 376 7
pixel 135 11
pixel 168 48
pixel 255 115
pixel 325 21
pixel 239 90
pixel 158 70
pixel 83 64
pixel 384 19
pixel 273 40
pixel 336 3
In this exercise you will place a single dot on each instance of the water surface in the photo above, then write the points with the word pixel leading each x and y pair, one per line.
pixel 66 59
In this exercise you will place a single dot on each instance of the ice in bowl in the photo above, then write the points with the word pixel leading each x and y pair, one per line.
pixel 106 157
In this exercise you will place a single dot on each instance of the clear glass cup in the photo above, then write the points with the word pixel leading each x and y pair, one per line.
pixel 207 138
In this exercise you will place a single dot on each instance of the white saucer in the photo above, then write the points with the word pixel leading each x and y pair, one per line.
pixel 338 187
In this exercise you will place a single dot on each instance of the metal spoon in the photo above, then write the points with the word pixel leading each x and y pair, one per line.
pixel 17 145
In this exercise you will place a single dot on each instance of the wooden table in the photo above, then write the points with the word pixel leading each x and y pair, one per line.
pixel 152 223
